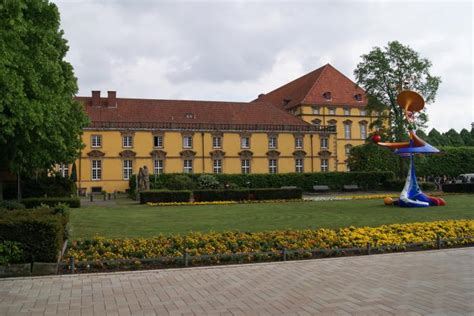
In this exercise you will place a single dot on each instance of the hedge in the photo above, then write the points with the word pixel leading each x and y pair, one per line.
pixel 458 187
pixel 44 185
pixel 250 194
pixel 156 196
pixel 52 201
pixel 397 185
pixel 39 232
pixel 305 181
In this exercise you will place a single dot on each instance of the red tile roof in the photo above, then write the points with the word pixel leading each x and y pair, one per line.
pixel 191 114
pixel 309 89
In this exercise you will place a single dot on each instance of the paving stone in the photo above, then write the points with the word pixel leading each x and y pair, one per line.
pixel 430 282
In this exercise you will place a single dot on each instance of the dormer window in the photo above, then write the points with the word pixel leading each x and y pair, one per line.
pixel 327 95
pixel 358 97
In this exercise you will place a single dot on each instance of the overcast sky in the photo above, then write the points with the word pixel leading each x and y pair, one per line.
pixel 234 51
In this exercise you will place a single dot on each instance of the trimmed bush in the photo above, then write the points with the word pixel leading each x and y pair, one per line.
pixel 53 201
pixel 42 186
pixel 458 187
pixel 305 181
pixel 221 195
pixel 40 233
pixel 11 205
pixel 397 185
pixel 156 196
pixel 250 194
pixel 278 194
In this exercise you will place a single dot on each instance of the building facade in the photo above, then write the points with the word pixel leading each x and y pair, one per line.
pixel 307 125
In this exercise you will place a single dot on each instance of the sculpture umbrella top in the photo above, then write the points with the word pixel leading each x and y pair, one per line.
pixel 410 101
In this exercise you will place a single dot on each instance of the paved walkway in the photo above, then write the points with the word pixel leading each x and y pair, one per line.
pixel 430 282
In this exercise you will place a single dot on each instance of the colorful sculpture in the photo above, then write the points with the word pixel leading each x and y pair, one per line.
pixel 411 196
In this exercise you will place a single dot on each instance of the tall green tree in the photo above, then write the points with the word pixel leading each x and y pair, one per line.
pixel 383 72
pixel 467 137
pixel 437 139
pixel 40 122
pixel 454 138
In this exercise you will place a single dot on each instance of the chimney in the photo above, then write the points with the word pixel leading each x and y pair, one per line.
pixel 112 99
pixel 95 97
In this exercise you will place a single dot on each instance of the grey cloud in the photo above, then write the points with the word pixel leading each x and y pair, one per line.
pixel 225 50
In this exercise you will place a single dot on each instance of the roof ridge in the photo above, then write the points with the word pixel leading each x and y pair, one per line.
pixel 292 81
pixel 182 100
pixel 317 80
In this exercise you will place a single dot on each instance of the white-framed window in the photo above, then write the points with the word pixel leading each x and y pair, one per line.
pixel 188 166
pixel 347 111
pixel 363 131
pixel 363 112
pixel 245 142
pixel 332 111
pixel 64 170
pixel 315 109
pixel 96 169
pixel 347 131
pixel 272 142
pixel 158 141
pixel 158 166
pixel 217 166
pixel 324 142
pixel 96 141
pixel 347 149
pixel 127 169
pixel 324 165
pixel 299 165
pixel 187 142
pixel 245 166
pixel 272 166
pixel 216 142
pixel 127 141
pixel 299 142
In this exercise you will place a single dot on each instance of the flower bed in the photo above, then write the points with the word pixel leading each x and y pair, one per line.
pixel 223 202
pixel 198 244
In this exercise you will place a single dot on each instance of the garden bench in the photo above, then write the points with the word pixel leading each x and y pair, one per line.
pixel 351 187
pixel 320 188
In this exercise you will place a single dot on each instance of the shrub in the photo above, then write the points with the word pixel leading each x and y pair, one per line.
pixel 277 194
pixel 40 233
pixel 10 252
pixel 41 186
pixel 11 205
pixel 249 194
pixel 180 182
pixel 207 181
pixel 397 185
pixel 53 201
pixel 221 195
pixel 156 196
pixel 305 181
pixel 458 187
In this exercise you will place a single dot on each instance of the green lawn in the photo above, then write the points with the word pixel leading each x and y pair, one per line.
pixel 127 219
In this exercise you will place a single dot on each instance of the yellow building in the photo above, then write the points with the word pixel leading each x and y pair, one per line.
pixel 325 97
pixel 299 127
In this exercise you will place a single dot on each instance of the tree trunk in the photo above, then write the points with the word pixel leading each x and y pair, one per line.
pixel 18 179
